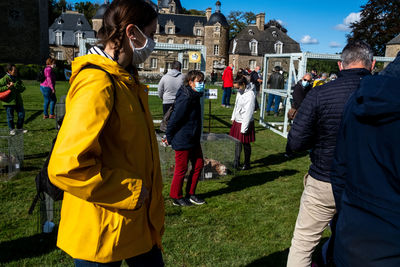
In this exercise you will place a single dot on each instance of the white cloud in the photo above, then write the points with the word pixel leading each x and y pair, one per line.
pixel 307 39
pixel 281 22
pixel 351 18
pixel 334 45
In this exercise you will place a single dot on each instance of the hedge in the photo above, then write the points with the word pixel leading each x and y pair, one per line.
pixel 29 71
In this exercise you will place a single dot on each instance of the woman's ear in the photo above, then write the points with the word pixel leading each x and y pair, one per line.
pixel 135 35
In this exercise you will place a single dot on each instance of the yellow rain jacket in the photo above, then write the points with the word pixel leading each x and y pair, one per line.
pixel 106 160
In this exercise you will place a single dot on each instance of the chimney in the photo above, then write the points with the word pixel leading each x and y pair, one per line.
pixel 260 21
pixel 208 13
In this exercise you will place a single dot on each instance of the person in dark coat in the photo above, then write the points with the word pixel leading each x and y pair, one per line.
pixel 275 81
pixel 256 79
pixel 184 133
pixel 300 90
pixel 366 174
pixel 315 128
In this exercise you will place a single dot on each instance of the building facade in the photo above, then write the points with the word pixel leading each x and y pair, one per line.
pixel 24 31
pixel 210 30
pixel 247 49
pixel 393 47
pixel 65 34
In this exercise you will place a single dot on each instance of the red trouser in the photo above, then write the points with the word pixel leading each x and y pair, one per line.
pixel 195 155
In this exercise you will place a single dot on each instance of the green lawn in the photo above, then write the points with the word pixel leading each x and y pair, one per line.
pixel 248 220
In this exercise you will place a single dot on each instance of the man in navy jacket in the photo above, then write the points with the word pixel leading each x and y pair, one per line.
pixel 315 128
pixel 366 174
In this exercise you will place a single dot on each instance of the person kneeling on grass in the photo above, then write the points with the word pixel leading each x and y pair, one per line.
pixel 183 133
pixel 14 100
pixel 242 120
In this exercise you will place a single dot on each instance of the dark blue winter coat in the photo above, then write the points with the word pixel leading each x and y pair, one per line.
pixel 366 174
pixel 317 121
pixel 184 125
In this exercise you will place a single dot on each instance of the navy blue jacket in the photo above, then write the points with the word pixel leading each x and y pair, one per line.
pixel 184 125
pixel 317 121
pixel 366 174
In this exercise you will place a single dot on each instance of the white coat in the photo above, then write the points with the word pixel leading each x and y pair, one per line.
pixel 244 107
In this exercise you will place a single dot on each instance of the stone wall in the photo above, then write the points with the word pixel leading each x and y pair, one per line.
pixel 69 52
pixel 24 31
pixel 392 50
pixel 220 38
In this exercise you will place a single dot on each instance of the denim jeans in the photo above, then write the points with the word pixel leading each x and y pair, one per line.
pixel 226 95
pixel 276 99
pixel 151 258
pixel 10 116
pixel 49 98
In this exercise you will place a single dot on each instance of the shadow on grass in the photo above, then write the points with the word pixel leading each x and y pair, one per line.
pixel 224 122
pixel 27 247
pixel 278 258
pixel 37 155
pixel 278 158
pixel 33 116
pixel 241 182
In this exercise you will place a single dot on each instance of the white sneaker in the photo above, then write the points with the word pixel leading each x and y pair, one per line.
pixel 22 130
pixel 13 132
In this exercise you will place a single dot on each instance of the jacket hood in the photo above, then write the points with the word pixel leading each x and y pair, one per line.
pixel 377 101
pixel 106 64
pixel 174 73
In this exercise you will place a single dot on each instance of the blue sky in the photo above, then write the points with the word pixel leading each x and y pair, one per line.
pixel 319 26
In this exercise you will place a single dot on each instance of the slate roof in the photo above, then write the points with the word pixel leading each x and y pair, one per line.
pixel 69 26
pixel 218 17
pixel 100 12
pixel 165 4
pixel 395 40
pixel 266 41
pixel 183 23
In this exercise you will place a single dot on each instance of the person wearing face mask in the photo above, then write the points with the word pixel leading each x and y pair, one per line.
pixel 300 90
pixel 243 121
pixel 184 133
pixel 48 89
pixel 14 102
pixel 106 156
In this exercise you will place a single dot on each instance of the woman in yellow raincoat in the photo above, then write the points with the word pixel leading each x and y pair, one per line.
pixel 106 155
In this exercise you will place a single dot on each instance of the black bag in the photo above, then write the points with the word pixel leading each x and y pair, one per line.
pixel 43 183
pixel 40 77
pixel 167 116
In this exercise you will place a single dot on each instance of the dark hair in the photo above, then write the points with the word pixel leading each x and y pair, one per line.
pixel 9 67
pixel 176 65
pixel 241 80
pixel 357 51
pixel 119 15
pixel 277 68
pixel 192 75
pixel 50 61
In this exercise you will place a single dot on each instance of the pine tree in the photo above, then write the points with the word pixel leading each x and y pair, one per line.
pixel 378 25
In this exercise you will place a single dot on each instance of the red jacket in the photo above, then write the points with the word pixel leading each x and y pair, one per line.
pixel 227 77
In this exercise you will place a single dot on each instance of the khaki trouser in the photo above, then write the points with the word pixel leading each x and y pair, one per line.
pixel 317 207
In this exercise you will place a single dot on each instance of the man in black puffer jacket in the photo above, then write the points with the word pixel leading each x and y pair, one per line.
pixel 315 128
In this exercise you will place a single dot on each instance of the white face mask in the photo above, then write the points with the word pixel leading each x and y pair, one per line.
pixel 139 55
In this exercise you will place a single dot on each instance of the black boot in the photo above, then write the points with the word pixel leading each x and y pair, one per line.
pixel 247 154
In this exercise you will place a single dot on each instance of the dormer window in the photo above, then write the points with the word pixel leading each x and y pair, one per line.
pixel 198 32
pixel 278 47
pixel 170 30
pixel 274 34
pixel 60 21
pixel 58 40
pixel 251 32
pixel 170 27
pixel 217 29
pixel 253 47
pixel 234 46
pixel 79 23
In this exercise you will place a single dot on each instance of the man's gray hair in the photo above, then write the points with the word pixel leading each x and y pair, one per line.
pixel 357 52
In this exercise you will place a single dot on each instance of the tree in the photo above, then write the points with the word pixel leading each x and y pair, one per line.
pixel 238 20
pixel 379 24
pixel 56 7
pixel 193 12
pixel 88 9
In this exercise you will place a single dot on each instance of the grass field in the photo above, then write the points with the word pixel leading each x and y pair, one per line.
pixel 248 220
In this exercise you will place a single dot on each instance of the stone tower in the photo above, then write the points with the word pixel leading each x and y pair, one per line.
pixel 98 18
pixel 216 40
